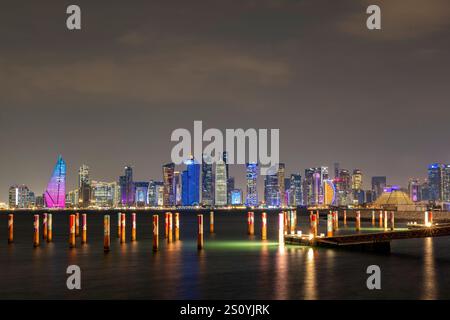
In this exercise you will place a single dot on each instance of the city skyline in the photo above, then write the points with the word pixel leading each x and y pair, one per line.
pixel 111 96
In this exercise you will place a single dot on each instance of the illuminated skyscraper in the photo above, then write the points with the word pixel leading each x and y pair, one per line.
pixel 435 181
pixel 313 185
pixel 127 187
pixel 191 183
pixel 20 197
pixel 446 182
pixel 169 184
pixel 154 188
pixel 55 194
pixel 207 181
pixel 84 187
pixel 414 190
pixel 296 194
pixel 177 182
pixel 357 179
pixel 271 194
pixel 220 184
pixel 141 190
pixel 252 191
pixel 236 197
pixel 281 185
pixel 104 194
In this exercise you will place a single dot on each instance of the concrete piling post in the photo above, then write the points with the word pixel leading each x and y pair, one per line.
pixel 381 218
pixel 373 217
pixel 50 228
pixel 77 224
pixel 123 228
pixel 177 226
pixel 36 231
pixel 166 225
pixel 330 223
pixel 84 228
pixel 119 221
pixel 317 217
pixel 425 221
pixel 44 226
pixel 314 225
pixel 10 228
pixel 170 237
pixel 385 220
pixel 345 217
pixel 106 233
pixel 200 232
pixel 281 227
pixel 72 232
pixel 358 221
pixel 211 222
pixel 430 217
pixel 264 226
pixel 155 232
pixel 133 226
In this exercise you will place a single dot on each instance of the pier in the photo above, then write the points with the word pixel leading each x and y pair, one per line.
pixel 376 241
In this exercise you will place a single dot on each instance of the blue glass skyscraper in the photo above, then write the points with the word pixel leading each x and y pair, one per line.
pixel 191 183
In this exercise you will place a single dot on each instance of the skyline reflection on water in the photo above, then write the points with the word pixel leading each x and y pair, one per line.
pixel 233 265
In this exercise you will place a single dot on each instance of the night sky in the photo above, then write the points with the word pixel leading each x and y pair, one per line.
pixel 111 94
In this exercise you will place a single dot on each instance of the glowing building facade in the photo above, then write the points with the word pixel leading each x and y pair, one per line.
pixel 252 192
pixel 55 194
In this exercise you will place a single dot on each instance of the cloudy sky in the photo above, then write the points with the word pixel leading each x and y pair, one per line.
pixel 112 93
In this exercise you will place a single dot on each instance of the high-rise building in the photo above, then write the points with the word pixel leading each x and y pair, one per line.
pixel 343 188
pixel 414 190
pixel 425 191
pixel 369 196
pixel 359 196
pixel 336 170
pixel 104 194
pixel 191 183
pixel 313 185
pixel 435 181
pixel 169 184
pixel 220 189
pixel 271 193
pixel 177 181
pixel 446 183
pixel 378 185
pixel 296 194
pixel 21 197
pixel 252 191
pixel 72 198
pixel 207 181
pixel 153 192
pixel 127 188
pixel 141 190
pixel 281 186
pixel 230 184
pixel 55 194
pixel 236 197
pixel 84 187
pixel 357 179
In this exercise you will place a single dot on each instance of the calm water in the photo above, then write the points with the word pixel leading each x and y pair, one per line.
pixel 232 266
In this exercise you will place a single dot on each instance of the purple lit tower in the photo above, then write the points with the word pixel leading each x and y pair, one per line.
pixel 55 195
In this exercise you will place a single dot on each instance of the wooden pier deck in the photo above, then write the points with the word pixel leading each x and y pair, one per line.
pixel 378 241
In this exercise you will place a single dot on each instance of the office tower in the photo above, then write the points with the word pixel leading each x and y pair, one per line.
pixel 83 175
pixel 378 185
pixel 357 179
pixel 207 181
pixel 236 197
pixel 84 187
pixel 21 197
pixel 40 203
pixel 169 184
pixel 160 194
pixel 55 194
pixel 271 194
pixel 296 194
pixel 414 191
pixel 177 182
pixel 227 172
pixel 104 194
pixel 446 183
pixel 343 186
pixel 281 187
pixel 191 183
pixel 141 192
pixel 336 170
pixel 127 187
pixel 220 188
pixel 359 196
pixel 230 186
pixel 369 196
pixel 313 185
pixel 435 181
pixel 252 191
pixel 153 192
pixel 72 198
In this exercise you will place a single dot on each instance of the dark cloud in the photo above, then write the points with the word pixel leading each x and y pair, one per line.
pixel 112 93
